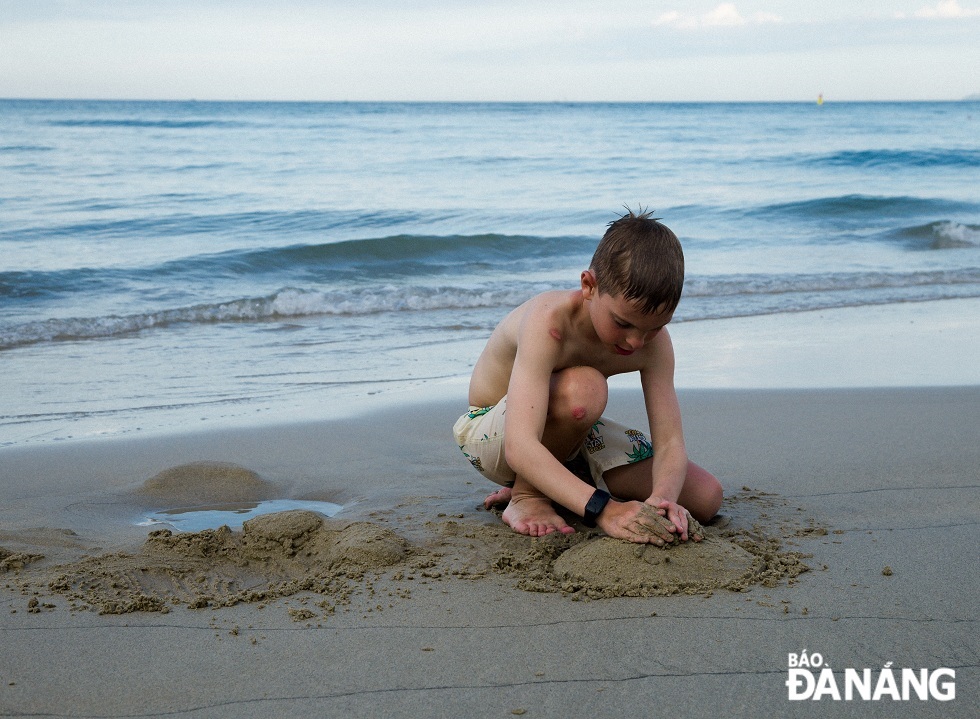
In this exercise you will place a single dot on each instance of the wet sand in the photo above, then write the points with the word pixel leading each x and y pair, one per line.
pixel 850 531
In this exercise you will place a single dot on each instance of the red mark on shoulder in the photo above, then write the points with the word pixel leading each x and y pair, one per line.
pixel 578 412
pixel 555 333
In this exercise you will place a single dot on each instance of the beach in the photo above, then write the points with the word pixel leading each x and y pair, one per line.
pixel 850 533
pixel 234 338
pixel 169 265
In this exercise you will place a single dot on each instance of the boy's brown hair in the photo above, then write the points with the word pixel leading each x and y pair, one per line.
pixel 641 259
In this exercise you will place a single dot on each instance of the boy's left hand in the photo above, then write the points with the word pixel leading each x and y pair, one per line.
pixel 677 515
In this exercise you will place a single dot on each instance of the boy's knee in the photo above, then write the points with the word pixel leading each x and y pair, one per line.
pixel 716 496
pixel 579 393
pixel 710 499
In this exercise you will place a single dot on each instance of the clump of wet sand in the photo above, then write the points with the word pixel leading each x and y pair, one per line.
pixel 11 561
pixel 274 556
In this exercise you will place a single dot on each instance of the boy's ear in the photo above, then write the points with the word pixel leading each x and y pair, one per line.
pixel 590 288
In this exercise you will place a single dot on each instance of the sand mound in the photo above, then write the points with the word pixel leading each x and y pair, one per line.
pixel 281 532
pixel 610 565
pixel 588 565
pixel 200 483
pixel 364 545
pixel 273 556
pixel 359 545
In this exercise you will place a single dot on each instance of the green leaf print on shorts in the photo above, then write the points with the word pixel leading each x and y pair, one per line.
pixel 642 449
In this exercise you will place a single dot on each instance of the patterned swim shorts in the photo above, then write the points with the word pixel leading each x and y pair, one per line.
pixel 480 436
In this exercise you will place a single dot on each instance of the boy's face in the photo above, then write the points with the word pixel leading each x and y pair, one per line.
pixel 618 322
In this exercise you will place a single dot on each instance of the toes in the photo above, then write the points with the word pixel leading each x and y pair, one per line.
pixel 499 498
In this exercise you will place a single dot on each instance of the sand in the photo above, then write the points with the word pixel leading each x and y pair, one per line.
pixel 285 553
pixel 206 483
pixel 274 556
pixel 843 535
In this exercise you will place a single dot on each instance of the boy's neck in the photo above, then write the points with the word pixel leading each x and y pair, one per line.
pixel 582 319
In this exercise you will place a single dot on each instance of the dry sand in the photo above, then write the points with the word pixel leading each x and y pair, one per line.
pixel 843 536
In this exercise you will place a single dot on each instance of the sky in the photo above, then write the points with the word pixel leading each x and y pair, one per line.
pixel 490 50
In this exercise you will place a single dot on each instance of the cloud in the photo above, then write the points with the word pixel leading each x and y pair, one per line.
pixel 946 10
pixel 724 15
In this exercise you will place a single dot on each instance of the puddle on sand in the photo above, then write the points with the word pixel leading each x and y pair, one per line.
pixel 195 519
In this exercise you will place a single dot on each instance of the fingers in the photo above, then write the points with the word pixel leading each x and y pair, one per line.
pixel 692 529
pixel 695 529
pixel 681 520
pixel 679 517
pixel 649 522
pixel 643 539
pixel 677 524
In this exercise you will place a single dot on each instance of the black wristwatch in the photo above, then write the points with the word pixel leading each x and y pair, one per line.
pixel 594 507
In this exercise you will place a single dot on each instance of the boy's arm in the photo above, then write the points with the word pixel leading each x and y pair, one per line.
pixel 667 433
pixel 528 396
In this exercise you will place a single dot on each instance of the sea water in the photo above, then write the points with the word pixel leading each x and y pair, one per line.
pixel 194 519
pixel 173 265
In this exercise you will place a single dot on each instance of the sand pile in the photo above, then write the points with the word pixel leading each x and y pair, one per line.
pixel 15 561
pixel 609 565
pixel 591 565
pixel 202 483
pixel 273 556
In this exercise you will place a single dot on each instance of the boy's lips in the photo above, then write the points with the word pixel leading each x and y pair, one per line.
pixel 621 351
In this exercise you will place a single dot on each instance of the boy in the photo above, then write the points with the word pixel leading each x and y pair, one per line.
pixel 541 384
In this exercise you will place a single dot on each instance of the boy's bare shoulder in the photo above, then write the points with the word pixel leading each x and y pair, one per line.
pixel 544 316
pixel 552 311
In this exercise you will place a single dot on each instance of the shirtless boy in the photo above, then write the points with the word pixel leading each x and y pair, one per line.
pixel 539 389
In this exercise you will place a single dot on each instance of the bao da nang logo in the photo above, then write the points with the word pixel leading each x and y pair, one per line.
pixel 810 678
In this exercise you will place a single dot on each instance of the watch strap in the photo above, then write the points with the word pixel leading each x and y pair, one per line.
pixel 593 508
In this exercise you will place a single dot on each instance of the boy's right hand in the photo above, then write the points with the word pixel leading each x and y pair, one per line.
pixel 636 522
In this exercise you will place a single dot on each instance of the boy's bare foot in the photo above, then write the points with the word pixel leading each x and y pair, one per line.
pixel 500 498
pixel 534 516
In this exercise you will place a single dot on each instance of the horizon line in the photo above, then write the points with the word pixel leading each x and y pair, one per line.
pixel 825 101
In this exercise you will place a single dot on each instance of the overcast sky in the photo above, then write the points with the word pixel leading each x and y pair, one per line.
pixel 614 50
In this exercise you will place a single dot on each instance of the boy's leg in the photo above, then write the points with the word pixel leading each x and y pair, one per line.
pixel 701 494
pixel 577 400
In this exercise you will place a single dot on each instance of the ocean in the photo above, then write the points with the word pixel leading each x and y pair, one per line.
pixel 173 265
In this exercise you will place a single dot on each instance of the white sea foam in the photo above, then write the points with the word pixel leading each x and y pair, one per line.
pixel 285 304
pixel 954 234
pixel 714 297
